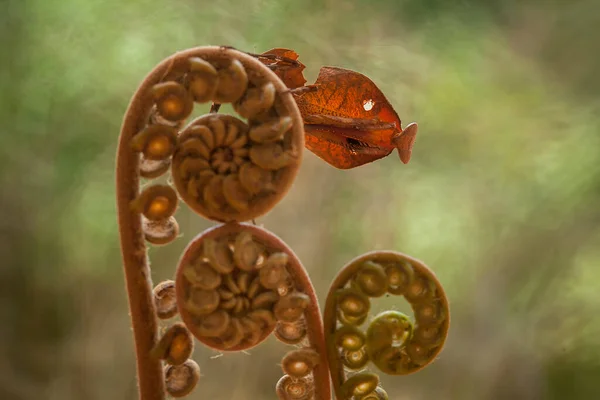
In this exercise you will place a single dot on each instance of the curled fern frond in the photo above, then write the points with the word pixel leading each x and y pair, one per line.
pixel 395 343
pixel 220 171
pixel 233 289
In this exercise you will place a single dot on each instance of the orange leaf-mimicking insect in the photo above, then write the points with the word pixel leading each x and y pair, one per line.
pixel 347 119
pixel 285 64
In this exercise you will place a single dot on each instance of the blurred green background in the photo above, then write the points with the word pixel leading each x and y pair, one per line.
pixel 501 198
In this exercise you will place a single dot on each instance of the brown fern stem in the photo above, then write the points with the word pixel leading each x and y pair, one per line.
pixel 133 248
pixel 137 275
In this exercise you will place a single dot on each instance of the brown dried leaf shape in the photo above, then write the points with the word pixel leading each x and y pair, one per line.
pixel 347 119
pixel 349 122
pixel 285 64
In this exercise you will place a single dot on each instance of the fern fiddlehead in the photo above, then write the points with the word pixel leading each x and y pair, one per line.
pixel 392 341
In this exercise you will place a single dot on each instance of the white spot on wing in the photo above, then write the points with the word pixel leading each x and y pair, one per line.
pixel 368 104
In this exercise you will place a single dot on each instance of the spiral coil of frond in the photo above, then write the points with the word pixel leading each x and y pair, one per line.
pixel 392 341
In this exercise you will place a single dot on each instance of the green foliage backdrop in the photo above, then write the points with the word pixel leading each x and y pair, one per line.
pixel 501 198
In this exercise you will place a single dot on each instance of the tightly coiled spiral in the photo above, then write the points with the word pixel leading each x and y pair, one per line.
pixel 224 168
pixel 223 172
pixel 236 283
pixel 391 341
